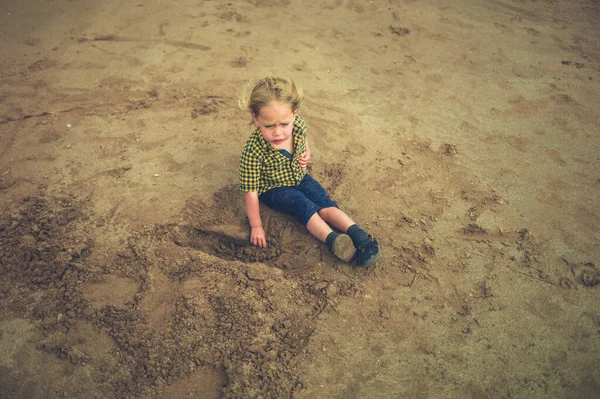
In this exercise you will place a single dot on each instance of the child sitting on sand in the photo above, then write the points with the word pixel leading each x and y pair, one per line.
pixel 273 170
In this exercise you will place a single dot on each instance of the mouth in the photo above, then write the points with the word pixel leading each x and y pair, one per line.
pixel 278 141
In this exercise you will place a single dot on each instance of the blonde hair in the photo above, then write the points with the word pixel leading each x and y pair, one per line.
pixel 257 94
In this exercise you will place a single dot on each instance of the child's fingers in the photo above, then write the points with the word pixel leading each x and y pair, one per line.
pixel 261 242
pixel 258 241
pixel 303 161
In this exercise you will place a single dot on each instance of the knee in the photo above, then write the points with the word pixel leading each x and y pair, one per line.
pixel 325 212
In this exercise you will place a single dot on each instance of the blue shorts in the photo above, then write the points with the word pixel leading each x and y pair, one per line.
pixel 302 201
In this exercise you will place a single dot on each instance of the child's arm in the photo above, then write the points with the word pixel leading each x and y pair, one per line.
pixel 257 233
pixel 304 159
pixel 250 165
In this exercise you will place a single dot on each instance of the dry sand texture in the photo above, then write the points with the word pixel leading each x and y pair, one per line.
pixel 463 134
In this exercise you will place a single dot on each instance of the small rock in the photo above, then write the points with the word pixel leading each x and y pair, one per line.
pixel 332 290
pixel 262 272
pixel 450 150
pixel 27 239
pixel 427 246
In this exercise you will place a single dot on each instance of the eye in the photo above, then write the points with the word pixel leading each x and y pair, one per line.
pixel 284 124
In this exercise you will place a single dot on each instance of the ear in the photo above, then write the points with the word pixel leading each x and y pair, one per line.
pixel 255 119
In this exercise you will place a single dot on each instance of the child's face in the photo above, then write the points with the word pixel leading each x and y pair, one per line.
pixel 275 122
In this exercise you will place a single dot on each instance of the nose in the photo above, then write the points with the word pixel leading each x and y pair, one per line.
pixel 278 131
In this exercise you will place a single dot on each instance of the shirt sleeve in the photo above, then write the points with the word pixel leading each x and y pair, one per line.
pixel 250 162
pixel 300 133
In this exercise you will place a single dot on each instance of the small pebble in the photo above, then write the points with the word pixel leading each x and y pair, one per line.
pixel 156 175
pixel 68 125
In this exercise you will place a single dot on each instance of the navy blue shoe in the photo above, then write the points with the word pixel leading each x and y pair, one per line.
pixel 368 253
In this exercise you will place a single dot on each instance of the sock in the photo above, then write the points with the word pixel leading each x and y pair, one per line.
pixel 330 239
pixel 359 237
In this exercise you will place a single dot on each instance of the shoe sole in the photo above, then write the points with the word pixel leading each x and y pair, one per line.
pixel 343 248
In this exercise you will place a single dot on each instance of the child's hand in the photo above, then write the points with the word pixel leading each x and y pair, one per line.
pixel 257 237
pixel 304 159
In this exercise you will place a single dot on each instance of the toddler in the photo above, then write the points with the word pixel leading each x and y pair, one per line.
pixel 273 170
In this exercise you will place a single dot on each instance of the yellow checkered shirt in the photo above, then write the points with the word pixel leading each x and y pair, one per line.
pixel 263 167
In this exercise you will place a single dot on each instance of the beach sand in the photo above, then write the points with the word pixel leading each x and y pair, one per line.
pixel 463 134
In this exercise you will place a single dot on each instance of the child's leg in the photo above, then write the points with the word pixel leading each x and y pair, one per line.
pixel 318 228
pixel 337 218
pixel 367 247
pixel 293 202
pixel 341 244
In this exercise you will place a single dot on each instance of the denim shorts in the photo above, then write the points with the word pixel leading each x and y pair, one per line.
pixel 302 201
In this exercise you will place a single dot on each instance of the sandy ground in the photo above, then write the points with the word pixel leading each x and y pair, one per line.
pixel 463 134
